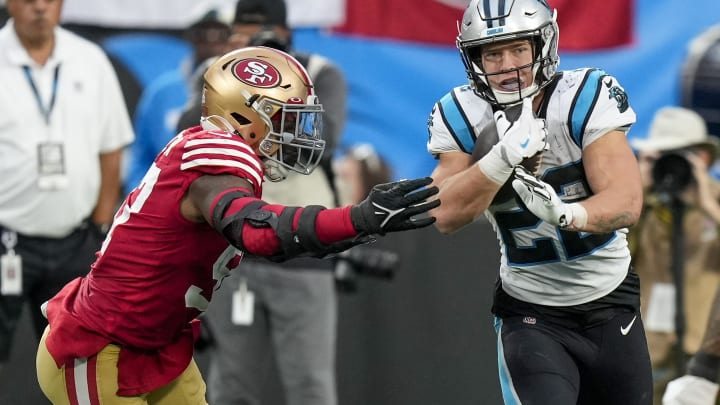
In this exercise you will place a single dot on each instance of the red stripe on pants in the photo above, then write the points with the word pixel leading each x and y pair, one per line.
pixel 92 380
pixel 89 382
pixel 70 382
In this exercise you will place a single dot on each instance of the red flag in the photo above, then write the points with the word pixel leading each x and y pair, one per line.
pixel 594 24
pixel 584 25
pixel 429 21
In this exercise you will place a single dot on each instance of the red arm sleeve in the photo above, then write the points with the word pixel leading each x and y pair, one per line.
pixel 332 225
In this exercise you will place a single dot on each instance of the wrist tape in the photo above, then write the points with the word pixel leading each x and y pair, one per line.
pixel 579 216
pixel 495 166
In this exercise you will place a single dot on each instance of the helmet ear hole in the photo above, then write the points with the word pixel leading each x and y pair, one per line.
pixel 240 118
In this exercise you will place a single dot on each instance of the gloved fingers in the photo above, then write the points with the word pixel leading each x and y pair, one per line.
pixel 423 207
pixel 527 107
pixel 421 195
pixel 545 194
pixel 421 222
pixel 544 191
pixel 525 183
pixel 523 175
pixel 406 186
pixel 527 115
pixel 529 193
pixel 501 123
pixel 522 189
pixel 500 116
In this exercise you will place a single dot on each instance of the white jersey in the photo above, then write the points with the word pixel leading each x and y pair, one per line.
pixel 540 263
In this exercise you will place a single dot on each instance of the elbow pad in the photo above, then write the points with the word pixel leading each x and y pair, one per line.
pixel 292 240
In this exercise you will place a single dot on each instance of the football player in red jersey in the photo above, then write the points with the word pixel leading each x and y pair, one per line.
pixel 125 332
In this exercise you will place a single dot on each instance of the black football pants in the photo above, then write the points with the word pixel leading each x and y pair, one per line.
pixel 47 265
pixel 543 363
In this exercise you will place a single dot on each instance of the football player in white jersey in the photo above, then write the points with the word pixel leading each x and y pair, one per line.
pixel 543 154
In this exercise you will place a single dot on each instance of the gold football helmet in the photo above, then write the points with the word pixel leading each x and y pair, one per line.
pixel 266 97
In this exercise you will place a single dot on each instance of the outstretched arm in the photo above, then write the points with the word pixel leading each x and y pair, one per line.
pixel 228 204
pixel 464 190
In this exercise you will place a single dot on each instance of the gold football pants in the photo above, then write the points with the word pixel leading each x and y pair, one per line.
pixel 94 381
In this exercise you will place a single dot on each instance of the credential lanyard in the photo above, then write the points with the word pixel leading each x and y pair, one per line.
pixel 44 111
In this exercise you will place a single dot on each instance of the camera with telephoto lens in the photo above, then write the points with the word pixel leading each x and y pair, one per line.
pixel 363 260
pixel 672 173
pixel 270 38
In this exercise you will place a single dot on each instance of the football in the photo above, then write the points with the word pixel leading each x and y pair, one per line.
pixel 486 139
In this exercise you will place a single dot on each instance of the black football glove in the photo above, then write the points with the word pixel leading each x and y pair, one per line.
pixel 390 207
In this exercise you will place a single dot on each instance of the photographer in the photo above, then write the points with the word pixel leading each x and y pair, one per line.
pixel 674 162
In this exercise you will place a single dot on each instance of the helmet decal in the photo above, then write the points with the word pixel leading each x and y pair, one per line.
pixel 256 72
pixel 495 10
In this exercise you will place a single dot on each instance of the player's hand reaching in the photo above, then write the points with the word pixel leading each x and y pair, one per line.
pixel 393 207
pixel 690 390
pixel 542 200
pixel 523 138
pixel 518 140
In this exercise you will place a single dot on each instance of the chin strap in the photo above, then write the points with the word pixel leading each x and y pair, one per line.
pixel 208 124
pixel 273 171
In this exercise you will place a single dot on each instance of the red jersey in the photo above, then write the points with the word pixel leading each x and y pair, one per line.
pixel 156 271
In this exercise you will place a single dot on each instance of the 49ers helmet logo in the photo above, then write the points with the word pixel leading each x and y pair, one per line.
pixel 256 72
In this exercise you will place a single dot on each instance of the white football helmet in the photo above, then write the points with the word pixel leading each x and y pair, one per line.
pixel 271 92
pixel 490 21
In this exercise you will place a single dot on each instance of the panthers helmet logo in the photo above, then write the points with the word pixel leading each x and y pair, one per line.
pixel 621 97
pixel 618 94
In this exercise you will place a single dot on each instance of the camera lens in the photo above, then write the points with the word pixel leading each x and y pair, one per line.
pixel 671 173
pixel 268 37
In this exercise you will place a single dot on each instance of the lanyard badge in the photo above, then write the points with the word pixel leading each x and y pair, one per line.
pixel 51 166
pixel 10 266
pixel 243 305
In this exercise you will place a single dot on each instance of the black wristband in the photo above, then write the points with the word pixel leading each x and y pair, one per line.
pixel 705 365
pixel 358 220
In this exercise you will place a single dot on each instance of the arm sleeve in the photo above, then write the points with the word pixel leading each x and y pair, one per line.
pixel 259 228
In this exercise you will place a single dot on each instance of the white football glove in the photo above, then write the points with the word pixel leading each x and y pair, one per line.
pixel 690 390
pixel 543 201
pixel 517 140
pixel 523 138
